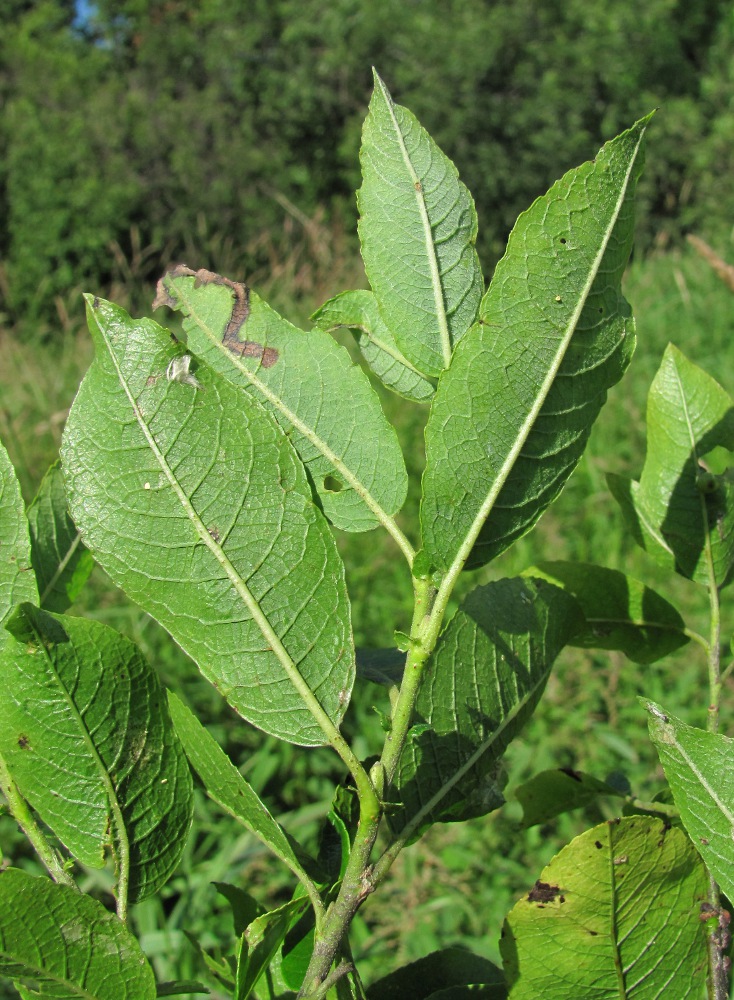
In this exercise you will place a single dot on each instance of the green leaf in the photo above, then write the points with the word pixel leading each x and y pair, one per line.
pixel 678 509
pixel 260 943
pixel 440 970
pixel 621 613
pixel 359 311
pixel 381 666
pixel 56 937
pixel 17 582
pixel 321 399
pixel 87 737
pixel 616 914
pixel 485 678
pixel 550 793
pixel 698 766
pixel 179 987
pixel 61 562
pixel 513 413
pixel 417 229
pixel 226 786
pixel 196 504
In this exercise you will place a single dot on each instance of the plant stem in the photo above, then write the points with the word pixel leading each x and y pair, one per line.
pixel 24 818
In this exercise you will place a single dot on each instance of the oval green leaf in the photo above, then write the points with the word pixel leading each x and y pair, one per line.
pixel 486 676
pixel 53 936
pixel 359 312
pixel 196 504
pixel 621 613
pixel 86 735
pixel 698 766
pixel 321 399
pixel 616 914
pixel 417 229
pixel 513 413
pixel 678 511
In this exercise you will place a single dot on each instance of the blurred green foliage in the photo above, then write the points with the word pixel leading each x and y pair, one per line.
pixel 155 123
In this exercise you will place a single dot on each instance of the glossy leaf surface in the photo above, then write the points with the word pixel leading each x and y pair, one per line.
pixel 485 678
pixel 195 503
pixel 699 767
pixel 678 509
pixel 85 732
pixel 359 312
pixel 417 229
pixel 615 914
pixel 68 943
pixel 322 401
pixel 621 613
pixel 513 413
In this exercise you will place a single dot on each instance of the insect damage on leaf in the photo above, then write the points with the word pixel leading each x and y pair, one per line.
pixel 240 311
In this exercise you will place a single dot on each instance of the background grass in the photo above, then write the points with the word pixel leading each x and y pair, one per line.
pixel 456 885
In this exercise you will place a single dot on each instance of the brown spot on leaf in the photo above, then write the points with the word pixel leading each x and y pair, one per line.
pixel 23 742
pixel 543 892
pixel 598 845
pixel 240 311
pixel 214 532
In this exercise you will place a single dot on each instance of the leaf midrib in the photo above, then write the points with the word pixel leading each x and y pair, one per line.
pixel 465 548
pixel 436 285
pixel 291 670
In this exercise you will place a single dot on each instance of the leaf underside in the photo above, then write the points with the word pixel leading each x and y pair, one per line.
pixel 513 413
pixel 671 513
pixel 615 914
pixel 417 230
pixel 698 766
pixel 195 503
pixel 322 401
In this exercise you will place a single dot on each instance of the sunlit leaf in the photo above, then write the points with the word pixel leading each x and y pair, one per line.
pixel 513 413
pixel 700 772
pixel 17 581
pixel 195 503
pixel 417 230
pixel 616 914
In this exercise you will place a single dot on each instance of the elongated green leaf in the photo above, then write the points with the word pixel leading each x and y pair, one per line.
pixel 85 733
pixel 17 582
pixel 308 382
pixel 359 311
pixel 553 792
pixel 486 676
pixel 441 970
pixel 616 914
pixel 261 941
pixel 61 562
pixel 195 503
pixel 698 766
pixel 417 229
pixel 621 613
pixel 677 509
pixel 68 943
pixel 513 413
pixel 226 786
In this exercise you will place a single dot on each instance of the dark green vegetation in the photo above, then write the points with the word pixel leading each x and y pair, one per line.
pixel 211 133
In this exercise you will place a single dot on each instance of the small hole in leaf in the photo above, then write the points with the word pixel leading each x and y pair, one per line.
pixel 332 484
pixel 563 240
